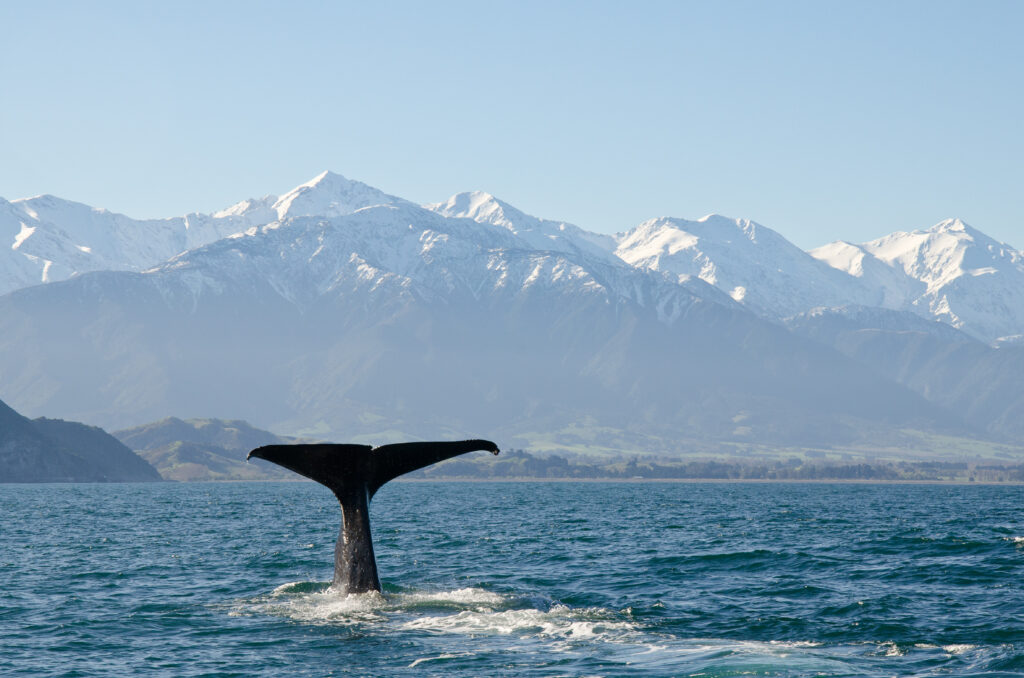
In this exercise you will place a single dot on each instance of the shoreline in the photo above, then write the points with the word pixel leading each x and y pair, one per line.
pixel 525 479
pixel 528 479
pixel 804 481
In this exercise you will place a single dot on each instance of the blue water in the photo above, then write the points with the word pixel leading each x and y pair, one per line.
pixel 522 579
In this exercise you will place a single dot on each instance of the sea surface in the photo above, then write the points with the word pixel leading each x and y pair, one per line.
pixel 515 579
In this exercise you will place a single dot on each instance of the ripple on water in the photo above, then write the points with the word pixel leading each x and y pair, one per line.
pixel 612 579
pixel 495 623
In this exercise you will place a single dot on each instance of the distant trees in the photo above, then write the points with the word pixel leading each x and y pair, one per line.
pixel 517 463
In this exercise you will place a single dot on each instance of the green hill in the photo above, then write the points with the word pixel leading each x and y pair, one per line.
pixel 204 449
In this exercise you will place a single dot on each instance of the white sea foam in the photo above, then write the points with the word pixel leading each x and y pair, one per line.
pixel 440 657
pixel 892 649
pixel 467 611
pixel 467 596
pixel 558 622
pixel 493 620
pixel 298 587
pixel 316 603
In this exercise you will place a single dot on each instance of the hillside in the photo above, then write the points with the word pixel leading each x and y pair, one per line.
pixel 52 450
pixel 203 449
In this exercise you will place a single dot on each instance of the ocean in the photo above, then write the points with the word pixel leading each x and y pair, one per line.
pixel 515 579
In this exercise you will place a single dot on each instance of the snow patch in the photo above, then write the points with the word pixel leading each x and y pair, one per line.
pixel 24 234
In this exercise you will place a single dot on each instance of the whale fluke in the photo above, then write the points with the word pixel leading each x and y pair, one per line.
pixel 354 473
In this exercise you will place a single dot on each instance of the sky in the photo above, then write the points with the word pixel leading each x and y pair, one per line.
pixel 823 120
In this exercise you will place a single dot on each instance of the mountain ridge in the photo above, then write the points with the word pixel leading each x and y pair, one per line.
pixel 53 239
pixel 951 271
pixel 395 320
pixel 382 320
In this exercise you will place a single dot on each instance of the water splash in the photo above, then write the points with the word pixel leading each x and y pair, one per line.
pixel 466 611
pixel 560 621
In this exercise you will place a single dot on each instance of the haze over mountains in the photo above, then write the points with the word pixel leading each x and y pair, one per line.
pixel 340 311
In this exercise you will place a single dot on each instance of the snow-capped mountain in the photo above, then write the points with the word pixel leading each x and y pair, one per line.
pixel 397 321
pixel 340 310
pixel 326 195
pixel 52 239
pixel 540 234
pixel 404 250
pixel 751 263
pixel 951 272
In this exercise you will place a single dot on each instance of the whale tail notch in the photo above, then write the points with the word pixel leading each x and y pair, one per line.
pixel 340 466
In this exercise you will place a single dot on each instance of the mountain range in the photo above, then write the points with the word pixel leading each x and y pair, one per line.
pixel 337 310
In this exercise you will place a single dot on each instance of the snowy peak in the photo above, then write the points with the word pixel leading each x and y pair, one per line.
pixel 936 256
pixel 654 239
pixel 951 272
pixel 944 252
pixel 48 207
pixel 405 253
pixel 751 263
pixel 50 239
pixel 540 234
pixel 481 207
pixel 257 210
pixel 893 288
pixel 330 195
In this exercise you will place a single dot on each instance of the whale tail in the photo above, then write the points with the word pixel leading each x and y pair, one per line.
pixel 354 473
pixel 340 466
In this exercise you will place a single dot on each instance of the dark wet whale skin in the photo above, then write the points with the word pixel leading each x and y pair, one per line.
pixel 354 473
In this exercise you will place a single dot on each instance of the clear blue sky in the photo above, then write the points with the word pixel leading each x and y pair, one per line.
pixel 823 120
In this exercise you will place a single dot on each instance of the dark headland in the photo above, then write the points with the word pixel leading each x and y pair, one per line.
pixel 52 450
